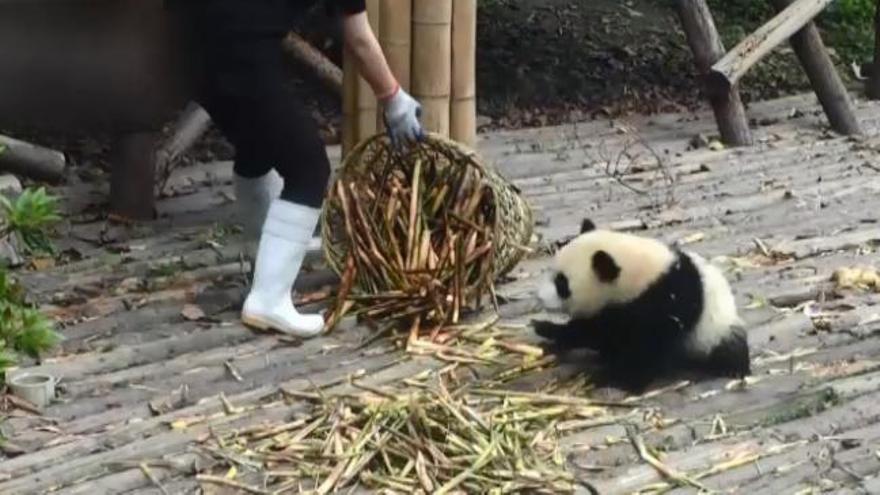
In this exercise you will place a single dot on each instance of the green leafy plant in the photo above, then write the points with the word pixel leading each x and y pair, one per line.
pixel 23 329
pixel 29 218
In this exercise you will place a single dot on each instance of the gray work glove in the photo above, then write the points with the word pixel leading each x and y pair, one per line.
pixel 402 114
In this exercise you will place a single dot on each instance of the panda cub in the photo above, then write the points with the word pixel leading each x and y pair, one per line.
pixel 647 308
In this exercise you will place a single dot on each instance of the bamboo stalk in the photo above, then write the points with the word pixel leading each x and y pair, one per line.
pixel 463 111
pixel 432 61
pixel 368 107
pixel 395 36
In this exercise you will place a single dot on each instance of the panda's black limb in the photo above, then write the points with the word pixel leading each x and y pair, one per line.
pixel 731 357
pixel 570 335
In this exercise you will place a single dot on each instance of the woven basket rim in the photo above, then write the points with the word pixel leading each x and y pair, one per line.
pixel 433 141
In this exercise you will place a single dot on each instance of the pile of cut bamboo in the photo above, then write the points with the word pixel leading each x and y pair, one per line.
pixel 426 440
pixel 431 48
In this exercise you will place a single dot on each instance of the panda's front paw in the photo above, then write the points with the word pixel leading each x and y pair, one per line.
pixel 547 329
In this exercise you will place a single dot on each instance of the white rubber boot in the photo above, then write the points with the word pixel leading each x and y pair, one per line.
pixel 253 197
pixel 286 235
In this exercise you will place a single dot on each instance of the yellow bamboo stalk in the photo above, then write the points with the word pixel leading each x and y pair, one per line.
pixel 367 104
pixel 432 61
pixel 349 103
pixel 463 111
pixel 395 36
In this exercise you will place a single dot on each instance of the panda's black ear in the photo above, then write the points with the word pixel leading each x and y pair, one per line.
pixel 605 267
pixel 587 225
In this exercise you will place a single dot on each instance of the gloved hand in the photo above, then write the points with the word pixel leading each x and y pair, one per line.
pixel 402 114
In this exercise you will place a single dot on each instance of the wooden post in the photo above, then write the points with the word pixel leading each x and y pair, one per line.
pixel 367 106
pixel 807 44
pixel 132 180
pixel 705 43
pixel 873 85
pixel 463 111
pixel 395 36
pixel 432 61
pixel 729 70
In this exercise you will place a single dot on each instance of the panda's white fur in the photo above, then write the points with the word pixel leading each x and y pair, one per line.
pixel 719 314
pixel 645 260
pixel 633 266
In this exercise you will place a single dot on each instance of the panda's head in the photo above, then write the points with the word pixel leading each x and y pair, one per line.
pixel 599 268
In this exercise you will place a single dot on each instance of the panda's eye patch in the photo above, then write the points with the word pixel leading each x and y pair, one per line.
pixel 561 283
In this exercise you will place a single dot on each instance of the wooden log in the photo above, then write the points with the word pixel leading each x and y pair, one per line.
pixel 30 160
pixel 726 72
pixel 303 52
pixel 432 61
pixel 463 111
pixel 706 45
pixel 807 44
pixel 192 124
pixel 132 194
pixel 873 84
pixel 368 107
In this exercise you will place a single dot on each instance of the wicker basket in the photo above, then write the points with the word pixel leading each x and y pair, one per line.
pixel 513 219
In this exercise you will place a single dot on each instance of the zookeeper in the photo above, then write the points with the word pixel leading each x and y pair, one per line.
pixel 238 71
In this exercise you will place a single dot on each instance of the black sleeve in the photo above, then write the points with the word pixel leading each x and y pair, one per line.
pixel 351 6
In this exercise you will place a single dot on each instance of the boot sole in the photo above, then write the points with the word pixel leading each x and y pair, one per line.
pixel 262 325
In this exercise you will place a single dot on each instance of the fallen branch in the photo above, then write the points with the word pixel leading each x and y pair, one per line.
pixel 30 160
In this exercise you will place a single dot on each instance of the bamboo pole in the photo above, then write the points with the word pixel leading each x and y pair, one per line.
pixel 395 36
pixel 349 103
pixel 367 106
pixel 463 111
pixel 432 61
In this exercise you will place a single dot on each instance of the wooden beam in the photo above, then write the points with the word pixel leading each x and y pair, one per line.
pixel 30 160
pixel 810 50
pixel 133 177
pixel 706 45
pixel 873 85
pixel 726 72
